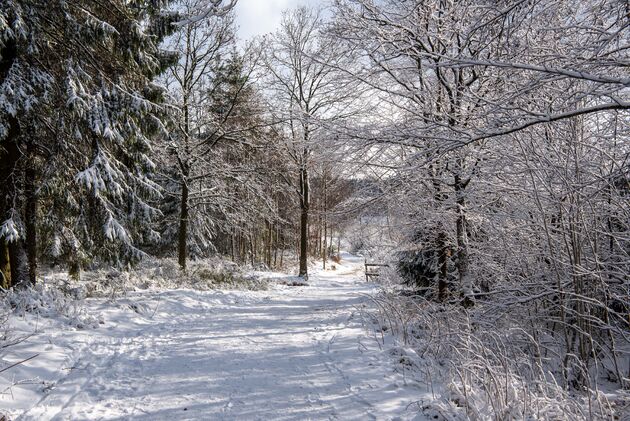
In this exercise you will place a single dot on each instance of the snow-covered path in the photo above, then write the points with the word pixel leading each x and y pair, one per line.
pixel 292 353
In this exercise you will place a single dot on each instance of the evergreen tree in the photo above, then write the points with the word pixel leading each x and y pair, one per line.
pixel 77 111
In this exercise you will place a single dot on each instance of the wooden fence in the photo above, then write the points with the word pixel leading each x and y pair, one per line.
pixel 372 269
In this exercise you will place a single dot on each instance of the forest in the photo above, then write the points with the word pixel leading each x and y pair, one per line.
pixel 478 151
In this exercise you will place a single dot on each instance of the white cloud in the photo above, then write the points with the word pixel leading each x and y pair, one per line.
pixel 259 17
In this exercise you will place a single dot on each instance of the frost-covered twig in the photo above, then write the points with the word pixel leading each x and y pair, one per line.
pixel 18 363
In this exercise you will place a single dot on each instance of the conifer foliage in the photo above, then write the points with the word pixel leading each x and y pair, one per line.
pixel 77 111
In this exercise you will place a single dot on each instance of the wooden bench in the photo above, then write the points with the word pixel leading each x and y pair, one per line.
pixel 372 269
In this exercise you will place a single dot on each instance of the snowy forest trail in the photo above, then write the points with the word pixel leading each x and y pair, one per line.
pixel 290 353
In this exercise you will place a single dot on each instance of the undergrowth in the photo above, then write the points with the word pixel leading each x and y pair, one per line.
pixel 477 368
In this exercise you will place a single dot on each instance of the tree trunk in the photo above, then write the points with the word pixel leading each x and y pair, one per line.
pixel 443 247
pixel 304 208
pixel 304 242
pixel 8 161
pixel 252 252
pixel 9 155
pixel 5 266
pixel 19 263
pixel 232 246
pixel 331 230
pixel 324 243
pixel 269 243
pixel 444 256
pixel 30 213
pixel 283 246
pixel 276 246
pixel 184 166
pixel 183 227
pixel 325 222
pixel 462 242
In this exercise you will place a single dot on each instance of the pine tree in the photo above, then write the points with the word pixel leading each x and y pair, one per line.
pixel 77 112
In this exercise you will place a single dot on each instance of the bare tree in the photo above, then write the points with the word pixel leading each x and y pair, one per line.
pixel 308 91
pixel 508 120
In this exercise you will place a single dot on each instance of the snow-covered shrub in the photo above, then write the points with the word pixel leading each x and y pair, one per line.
pixel 418 267
pixel 4 326
pixel 493 369
pixel 153 273
pixel 357 245
pixel 49 301
pixel 425 260
pixel 203 274
pixel 213 277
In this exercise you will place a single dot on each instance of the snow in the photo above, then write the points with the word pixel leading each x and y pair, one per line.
pixel 9 231
pixel 289 353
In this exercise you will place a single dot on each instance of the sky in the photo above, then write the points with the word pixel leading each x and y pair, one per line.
pixel 259 17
